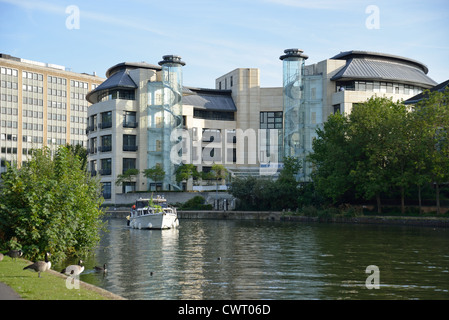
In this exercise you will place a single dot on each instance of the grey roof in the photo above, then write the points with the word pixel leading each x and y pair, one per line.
pixel 423 95
pixel 130 66
pixel 363 65
pixel 209 99
pixel 119 80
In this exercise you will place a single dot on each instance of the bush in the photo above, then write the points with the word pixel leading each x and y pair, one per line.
pixel 50 205
pixel 196 203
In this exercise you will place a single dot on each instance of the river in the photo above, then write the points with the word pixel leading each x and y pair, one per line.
pixel 241 259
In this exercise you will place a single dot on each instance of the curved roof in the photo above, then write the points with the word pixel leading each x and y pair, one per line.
pixel 209 99
pixel 130 66
pixel 364 65
pixel 119 80
pixel 118 77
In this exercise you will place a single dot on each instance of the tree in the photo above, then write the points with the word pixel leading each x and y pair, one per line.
pixel 185 171
pixel 51 205
pixel 127 177
pixel 372 134
pixel 219 172
pixel 332 158
pixel 432 115
pixel 156 173
pixel 79 151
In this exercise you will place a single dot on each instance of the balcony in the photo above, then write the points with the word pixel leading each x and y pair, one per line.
pixel 105 125
pixel 130 124
pixel 91 128
pixel 105 149
pixel 105 172
pixel 130 148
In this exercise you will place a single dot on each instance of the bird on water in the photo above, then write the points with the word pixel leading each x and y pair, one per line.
pixel 101 269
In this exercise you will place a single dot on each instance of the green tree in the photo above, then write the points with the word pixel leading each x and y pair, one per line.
pixel 332 158
pixel 243 189
pixel 127 177
pixel 51 205
pixel 219 171
pixel 185 171
pixel 156 173
pixel 79 151
pixel 433 116
pixel 371 133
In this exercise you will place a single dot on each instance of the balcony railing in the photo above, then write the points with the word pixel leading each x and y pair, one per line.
pixel 105 125
pixel 130 124
pixel 105 172
pixel 104 148
pixel 130 148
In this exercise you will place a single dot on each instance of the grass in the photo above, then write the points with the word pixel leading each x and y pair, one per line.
pixel 50 286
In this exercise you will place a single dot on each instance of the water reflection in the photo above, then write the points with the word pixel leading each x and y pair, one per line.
pixel 215 259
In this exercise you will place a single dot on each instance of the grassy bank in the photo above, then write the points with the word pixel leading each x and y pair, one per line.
pixel 51 285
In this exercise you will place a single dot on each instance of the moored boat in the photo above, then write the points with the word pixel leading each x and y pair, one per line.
pixel 153 213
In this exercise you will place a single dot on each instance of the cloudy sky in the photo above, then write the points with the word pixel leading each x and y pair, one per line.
pixel 215 37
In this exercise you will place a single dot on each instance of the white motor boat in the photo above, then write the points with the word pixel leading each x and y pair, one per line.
pixel 153 213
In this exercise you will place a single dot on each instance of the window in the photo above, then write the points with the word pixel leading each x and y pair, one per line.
pixel 129 119
pixel 106 190
pixel 129 163
pixel 129 142
pixel 106 120
pixel 106 167
pixel 93 145
pixel 106 143
pixel 213 115
pixel 116 94
pixel 336 108
pixel 271 120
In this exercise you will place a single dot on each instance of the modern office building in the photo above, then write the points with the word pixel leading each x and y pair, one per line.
pixel 41 104
pixel 142 116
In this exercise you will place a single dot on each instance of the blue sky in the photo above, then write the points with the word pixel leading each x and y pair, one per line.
pixel 215 37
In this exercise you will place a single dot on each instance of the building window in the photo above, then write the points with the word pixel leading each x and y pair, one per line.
pixel 106 190
pixel 93 145
pixel 93 168
pixel 129 142
pixel 116 94
pixel 271 120
pixel 106 167
pixel 129 187
pixel 213 115
pixel 336 108
pixel 129 163
pixel 106 143
pixel 129 119
pixel 106 120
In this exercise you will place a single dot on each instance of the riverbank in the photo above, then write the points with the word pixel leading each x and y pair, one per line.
pixel 19 284
pixel 424 221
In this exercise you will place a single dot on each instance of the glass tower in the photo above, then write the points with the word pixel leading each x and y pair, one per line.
pixel 294 104
pixel 164 120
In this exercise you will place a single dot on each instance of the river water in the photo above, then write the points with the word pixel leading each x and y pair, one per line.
pixel 238 259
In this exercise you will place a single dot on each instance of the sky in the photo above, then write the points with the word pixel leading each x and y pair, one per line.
pixel 215 37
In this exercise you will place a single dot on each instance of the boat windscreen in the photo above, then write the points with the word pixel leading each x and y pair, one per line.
pixel 141 204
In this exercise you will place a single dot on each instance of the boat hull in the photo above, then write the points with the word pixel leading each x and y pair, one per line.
pixel 155 221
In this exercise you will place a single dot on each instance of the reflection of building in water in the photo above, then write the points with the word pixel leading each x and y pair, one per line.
pixel 239 124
